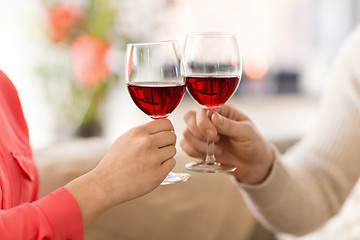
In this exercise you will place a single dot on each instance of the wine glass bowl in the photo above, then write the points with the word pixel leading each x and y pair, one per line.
pixel 155 83
pixel 156 100
pixel 212 65
pixel 211 92
pixel 154 78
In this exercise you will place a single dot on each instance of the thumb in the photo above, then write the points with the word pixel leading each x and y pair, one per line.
pixel 230 128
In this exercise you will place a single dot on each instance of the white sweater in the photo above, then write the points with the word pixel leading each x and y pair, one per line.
pixel 309 184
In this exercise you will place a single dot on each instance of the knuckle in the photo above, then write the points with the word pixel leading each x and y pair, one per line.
pixel 137 130
pixel 186 134
pixel 188 149
pixel 169 152
pixel 174 140
pixel 173 151
pixel 146 142
pixel 189 116
pixel 172 162
pixel 183 145
pixel 167 124
pixel 168 165
pixel 249 126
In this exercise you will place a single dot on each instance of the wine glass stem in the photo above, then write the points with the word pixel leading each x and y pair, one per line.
pixel 210 148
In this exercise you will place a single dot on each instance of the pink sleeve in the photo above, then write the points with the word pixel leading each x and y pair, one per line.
pixel 55 216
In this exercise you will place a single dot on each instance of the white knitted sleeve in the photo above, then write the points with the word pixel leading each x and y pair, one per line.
pixel 309 183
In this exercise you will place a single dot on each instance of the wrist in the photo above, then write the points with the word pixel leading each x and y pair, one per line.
pixel 260 171
pixel 254 176
pixel 89 195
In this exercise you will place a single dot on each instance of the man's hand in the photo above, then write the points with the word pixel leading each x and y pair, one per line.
pixel 237 142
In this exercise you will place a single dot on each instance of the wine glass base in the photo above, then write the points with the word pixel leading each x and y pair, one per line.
pixel 175 178
pixel 209 167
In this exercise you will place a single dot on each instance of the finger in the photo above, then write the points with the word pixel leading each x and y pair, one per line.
pixel 163 139
pixel 190 120
pixel 168 165
pixel 197 144
pixel 165 153
pixel 231 112
pixel 158 125
pixel 192 152
pixel 236 129
pixel 205 125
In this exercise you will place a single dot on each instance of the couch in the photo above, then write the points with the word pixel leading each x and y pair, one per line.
pixel 207 207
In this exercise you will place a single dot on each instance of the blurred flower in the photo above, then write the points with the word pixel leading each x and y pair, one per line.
pixel 63 21
pixel 88 56
pixel 76 72
pixel 79 73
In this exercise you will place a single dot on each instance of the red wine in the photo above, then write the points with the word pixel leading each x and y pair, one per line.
pixel 156 99
pixel 212 92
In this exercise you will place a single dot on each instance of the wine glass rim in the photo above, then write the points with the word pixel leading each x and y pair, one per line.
pixel 211 33
pixel 152 43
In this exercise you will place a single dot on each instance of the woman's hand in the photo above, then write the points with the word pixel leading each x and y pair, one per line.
pixel 237 142
pixel 136 163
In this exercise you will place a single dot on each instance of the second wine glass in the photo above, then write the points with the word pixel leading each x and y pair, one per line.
pixel 213 71
pixel 155 83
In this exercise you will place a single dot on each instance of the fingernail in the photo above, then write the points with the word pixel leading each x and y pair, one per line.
pixel 218 119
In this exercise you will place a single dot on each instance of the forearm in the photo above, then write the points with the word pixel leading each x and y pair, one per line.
pixel 89 195
pixel 309 184
pixel 283 205
pixel 55 216
pixel 299 195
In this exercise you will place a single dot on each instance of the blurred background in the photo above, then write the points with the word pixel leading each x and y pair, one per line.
pixel 66 57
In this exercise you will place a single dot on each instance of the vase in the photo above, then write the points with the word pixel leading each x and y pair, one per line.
pixel 91 129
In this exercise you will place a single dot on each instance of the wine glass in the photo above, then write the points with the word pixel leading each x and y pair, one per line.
pixel 212 64
pixel 155 83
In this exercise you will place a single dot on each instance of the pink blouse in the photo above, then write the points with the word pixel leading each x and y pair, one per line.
pixel 23 215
